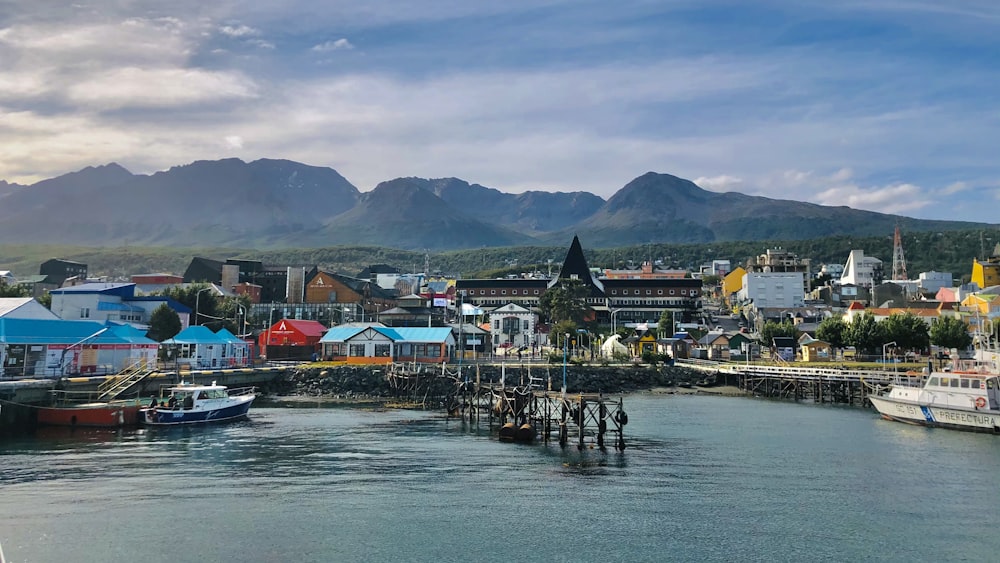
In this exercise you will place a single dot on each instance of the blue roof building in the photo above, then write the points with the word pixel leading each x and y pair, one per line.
pixel 375 343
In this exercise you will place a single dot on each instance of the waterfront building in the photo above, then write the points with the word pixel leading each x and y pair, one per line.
pixel 57 348
pixel 375 343
pixel 513 325
pixel 197 347
pixel 362 298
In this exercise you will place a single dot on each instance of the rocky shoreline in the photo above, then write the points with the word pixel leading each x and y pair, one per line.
pixel 361 384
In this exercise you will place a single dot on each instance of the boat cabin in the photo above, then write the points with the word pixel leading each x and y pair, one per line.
pixel 963 390
pixel 187 396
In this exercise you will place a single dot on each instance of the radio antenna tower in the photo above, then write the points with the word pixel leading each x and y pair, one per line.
pixel 898 260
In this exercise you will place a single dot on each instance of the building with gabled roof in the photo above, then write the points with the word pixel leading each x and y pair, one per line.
pixel 375 343
pixel 24 308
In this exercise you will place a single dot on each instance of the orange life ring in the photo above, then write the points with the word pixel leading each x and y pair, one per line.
pixel 980 402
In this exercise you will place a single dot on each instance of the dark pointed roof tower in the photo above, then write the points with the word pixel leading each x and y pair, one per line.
pixel 575 268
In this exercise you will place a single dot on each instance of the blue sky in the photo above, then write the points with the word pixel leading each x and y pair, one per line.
pixel 888 105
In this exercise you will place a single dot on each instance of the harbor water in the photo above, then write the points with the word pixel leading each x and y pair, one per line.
pixel 703 479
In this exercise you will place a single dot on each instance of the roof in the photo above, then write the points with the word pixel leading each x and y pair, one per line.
pixel 229 337
pixel 396 334
pixel 56 331
pixel 195 335
pixel 510 308
pixel 308 328
pixel 122 289
pixel 171 302
pixel 8 304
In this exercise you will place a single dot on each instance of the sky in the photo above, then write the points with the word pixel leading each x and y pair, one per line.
pixel 885 105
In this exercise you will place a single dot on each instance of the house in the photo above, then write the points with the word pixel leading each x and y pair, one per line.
pixel 24 308
pixel 816 351
pixel 56 347
pixel 642 342
pixel 237 352
pixel 412 311
pixel 375 343
pixel 716 345
pixel 676 348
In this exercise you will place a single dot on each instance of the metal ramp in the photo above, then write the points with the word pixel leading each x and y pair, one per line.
pixel 125 380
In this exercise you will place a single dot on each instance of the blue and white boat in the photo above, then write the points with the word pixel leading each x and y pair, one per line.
pixel 188 403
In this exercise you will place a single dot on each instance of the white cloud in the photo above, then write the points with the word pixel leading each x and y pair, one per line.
pixel 234 141
pixel 137 87
pixel 723 183
pixel 338 45
pixel 954 188
pixel 894 199
pixel 238 30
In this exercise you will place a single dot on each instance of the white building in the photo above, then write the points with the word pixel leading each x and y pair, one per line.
pixel 932 281
pixel 513 325
pixel 24 308
pixel 832 270
pixel 861 270
pixel 114 302
pixel 773 289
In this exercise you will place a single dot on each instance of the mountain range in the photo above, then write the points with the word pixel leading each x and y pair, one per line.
pixel 282 204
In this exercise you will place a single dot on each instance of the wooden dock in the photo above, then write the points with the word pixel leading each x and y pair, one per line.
pixel 820 385
pixel 530 410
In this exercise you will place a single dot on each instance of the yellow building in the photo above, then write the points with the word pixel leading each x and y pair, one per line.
pixel 733 282
pixel 986 274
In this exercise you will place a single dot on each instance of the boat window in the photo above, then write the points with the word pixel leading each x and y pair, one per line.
pixel 991 383
pixel 975 384
pixel 965 384
pixel 944 381
pixel 933 381
pixel 954 382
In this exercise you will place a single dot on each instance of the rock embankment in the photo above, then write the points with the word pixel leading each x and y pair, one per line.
pixel 351 382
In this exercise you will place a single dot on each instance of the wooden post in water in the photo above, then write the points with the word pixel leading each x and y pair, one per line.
pixel 580 419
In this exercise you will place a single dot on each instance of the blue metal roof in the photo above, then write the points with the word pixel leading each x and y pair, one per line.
pixel 57 331
pixel 229 337
pixel 172 303
pixel 396 334
pixel 341 333
pixel 195 335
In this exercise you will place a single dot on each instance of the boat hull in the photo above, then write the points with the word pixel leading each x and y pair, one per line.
pixel 973 420
pixel 234 410
pixel 96 415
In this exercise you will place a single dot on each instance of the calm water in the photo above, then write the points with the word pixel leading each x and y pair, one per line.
pixel 704 479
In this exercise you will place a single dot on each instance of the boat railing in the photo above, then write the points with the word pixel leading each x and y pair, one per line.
pixel 240 391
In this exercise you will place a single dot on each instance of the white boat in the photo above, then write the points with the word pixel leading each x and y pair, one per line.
pixel 193 404
pixel 961 401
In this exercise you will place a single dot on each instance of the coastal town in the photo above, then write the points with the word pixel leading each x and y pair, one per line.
pixel 245 313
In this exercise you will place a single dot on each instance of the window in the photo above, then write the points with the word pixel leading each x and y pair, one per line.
pixel 85 313
pixel 536 292
pixel 684 292
pixel 493 292
pixel 954 382
pixel 358 350
pixel 382 350
pixel 671 292
pixel 659 292
pixel 933 381
pixel 614 292
pixel 649 292
pixel 975 384
pixel 503 292
pixel 527 325
pixel 965 384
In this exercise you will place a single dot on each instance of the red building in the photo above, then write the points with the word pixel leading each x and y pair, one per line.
pixel 291 338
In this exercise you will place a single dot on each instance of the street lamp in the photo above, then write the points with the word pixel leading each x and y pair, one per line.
pixel 197 303
pixel 565 352
pixel 240 310
pixel 613 313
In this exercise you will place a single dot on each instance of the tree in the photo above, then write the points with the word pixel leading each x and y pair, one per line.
pixel 45 300
pixel 950 332
pixel 565 302
pixel 907 330
pixel 164 323
pixel 666 326
pixel 12 290
pixel 834 331
pixel 866 334
pixel 772 329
